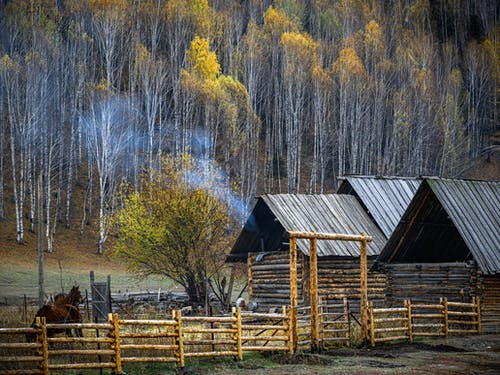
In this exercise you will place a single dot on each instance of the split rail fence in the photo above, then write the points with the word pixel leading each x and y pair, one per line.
pixel 119 341
pixel 423 319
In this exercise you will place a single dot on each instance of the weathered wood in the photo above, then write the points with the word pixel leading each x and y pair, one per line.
pixel 75 366
pixel 148 359
pixel 212 354
pixel 330 236
pixel 313 293
pixel 293 290
pixel 363 287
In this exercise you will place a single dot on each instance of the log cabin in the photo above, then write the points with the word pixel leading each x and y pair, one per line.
pixel 264 244
pixel 447 244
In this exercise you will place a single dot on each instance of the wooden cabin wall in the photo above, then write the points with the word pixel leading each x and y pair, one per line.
pixel 340 277
pixel 269 279
pixel 428 282
pixel 490 303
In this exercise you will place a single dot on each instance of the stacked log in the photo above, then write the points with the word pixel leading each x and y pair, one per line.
pixel 269 280
pixel 339 277
pixel 490 309
pixel 428 282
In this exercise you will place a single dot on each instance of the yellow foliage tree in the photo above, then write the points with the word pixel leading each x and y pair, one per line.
pixel 173 229
pixel 348 65
pixel 202 61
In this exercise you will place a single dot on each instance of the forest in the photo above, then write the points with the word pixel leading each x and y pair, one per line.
pixel 280 96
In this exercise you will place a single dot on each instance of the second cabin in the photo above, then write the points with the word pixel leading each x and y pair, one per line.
pixel 264 244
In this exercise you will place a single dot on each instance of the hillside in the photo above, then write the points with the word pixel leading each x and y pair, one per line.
pixel 74 256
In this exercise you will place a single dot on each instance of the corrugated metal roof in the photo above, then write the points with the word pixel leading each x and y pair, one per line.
pixel 386 199
pixel 327 213
pixel 473 207
pixel 449 221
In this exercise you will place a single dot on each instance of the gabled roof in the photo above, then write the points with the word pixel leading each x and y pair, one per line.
pixel 385 198
pixel 274 215
pixel 450 220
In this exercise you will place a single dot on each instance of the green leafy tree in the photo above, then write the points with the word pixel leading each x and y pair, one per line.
pixel 174 228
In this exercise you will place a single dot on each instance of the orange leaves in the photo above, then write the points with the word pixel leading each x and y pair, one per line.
pixel 374 39
pixel 202 61
pixel 348 65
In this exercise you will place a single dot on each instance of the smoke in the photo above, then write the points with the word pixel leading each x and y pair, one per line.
pixel 207 175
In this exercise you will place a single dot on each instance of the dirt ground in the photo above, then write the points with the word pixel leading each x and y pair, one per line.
pixel 457 355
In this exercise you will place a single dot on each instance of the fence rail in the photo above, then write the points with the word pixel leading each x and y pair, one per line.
pixel 118 341
pixel 418 319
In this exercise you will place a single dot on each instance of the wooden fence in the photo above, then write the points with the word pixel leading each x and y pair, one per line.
pixel 120 341
pixel 334 325
pixel 419 319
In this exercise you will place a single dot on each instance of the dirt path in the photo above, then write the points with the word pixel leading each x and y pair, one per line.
pixel 461 355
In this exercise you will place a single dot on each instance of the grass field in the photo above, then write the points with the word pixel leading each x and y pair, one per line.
pixel 73 258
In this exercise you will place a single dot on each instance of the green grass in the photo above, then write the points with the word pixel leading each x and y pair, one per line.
pixel 16 281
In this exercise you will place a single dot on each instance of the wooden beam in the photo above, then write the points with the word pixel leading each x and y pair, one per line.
pixel 330 236
pixel 293 291
pixel 313 294
pixel 363 288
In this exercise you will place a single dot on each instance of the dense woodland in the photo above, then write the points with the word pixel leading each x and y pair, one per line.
pixel 276 96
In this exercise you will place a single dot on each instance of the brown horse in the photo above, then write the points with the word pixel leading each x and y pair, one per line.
pixel 74 298
pixel 60 314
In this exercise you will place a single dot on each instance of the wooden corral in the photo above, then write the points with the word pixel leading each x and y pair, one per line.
pixel 447 244
pixel 410 320
pixel 116 342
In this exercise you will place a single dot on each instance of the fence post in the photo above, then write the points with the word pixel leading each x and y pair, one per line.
pixel 236 313
pixel 410 320
pixel 478 311
pixel 284 322
pixel 445 316
pixel 290 329
pixel 180 351
pixel 113 319
pixel 372 323
pixel 41 322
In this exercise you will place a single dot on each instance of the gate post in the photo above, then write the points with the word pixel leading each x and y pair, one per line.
pixel 293 292
pixel 113 320
pixel 363 288
pixel 42 338
pixel 313 294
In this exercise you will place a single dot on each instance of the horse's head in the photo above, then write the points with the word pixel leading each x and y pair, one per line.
pixel 75 297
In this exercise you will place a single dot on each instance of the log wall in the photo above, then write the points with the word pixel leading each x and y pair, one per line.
pixel 340 277
pixel 490 309
pixel 428 282
pixel 269 280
